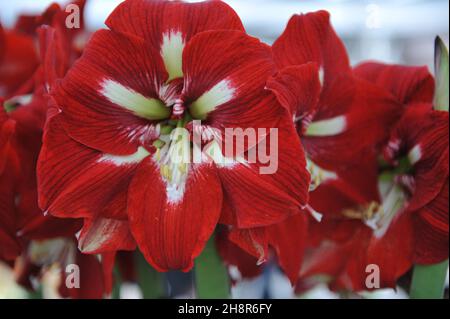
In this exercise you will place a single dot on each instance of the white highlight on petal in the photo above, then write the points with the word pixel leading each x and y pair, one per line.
pixel 415 154
pixel 219 94
pixel 135 158
pixel 172 53
pixel 133 101
pixel 100 232
pixel 329 127
pixel 321 75
pixel 175 193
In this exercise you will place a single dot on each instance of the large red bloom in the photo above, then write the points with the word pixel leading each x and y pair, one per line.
pixel 109 142
pixel 332 107
pixel 399 216
pixel 340 118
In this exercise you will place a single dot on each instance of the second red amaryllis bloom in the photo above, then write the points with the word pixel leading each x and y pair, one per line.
pixel 108 146
pixel 338 117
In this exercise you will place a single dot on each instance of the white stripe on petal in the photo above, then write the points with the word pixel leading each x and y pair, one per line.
pixel 330 127
pixel 125 160
pixel 172 53
pixel 415 154
pixel 133 101
pixel 219 94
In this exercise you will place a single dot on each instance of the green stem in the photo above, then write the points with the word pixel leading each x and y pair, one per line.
pixel 150 281
pixel 211 275
pixel 429 281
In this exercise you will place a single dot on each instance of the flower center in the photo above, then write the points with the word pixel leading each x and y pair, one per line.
pixel 396 185
pixel 173 154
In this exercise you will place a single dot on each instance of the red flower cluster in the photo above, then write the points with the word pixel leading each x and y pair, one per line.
pixel 361 168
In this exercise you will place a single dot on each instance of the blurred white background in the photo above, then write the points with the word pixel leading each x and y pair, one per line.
pixel 395 31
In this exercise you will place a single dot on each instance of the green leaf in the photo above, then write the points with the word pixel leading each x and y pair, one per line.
pixel 211 275
pixel 429 281
pixel 441 73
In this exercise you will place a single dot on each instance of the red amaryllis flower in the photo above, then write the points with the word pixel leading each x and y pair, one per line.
pixel 407 225
pixel 332 108
pixel 109 142
pixel 339 117
pixel 386 227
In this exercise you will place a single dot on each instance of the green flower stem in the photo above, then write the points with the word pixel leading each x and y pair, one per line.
pixel 151 282
pixel 429 281
pixel 211 275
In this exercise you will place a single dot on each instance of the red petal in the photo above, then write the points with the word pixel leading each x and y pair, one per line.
pixel 393 253
pixel 105 235
pixel 76 181
pixel 91 278
pixel 311 38
pixel 40 227
pixel 18 64
pixel 9 245
pixel 55 55
pixel 347 247
pixel 89 115
pixel 408 84
pixel 298 89
pixel 431 227
pixel 28 24
pixel 236 67
pixel 369 114
pixel 233 255
pixel 171 233
pixel 259 199
pixel 127 264
pixel 151 19
pixel 424 130
pixel 254 200
pixel 252 240
pixel 288 239
pixel 108 262
pixel 7 129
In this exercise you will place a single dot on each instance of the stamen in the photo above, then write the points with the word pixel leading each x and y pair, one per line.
pixel 318 175
pixel 315 214
pixel 379 217
pixel 178 109
pixel 173 158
